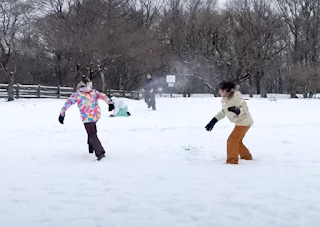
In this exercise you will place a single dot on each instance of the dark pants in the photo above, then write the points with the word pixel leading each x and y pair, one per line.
pixel 93 141
pixel 150 99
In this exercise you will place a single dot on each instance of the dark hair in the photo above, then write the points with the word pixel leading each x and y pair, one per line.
pixel 85 79
pixel 228 86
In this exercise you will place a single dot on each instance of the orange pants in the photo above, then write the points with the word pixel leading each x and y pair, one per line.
pixel 235 146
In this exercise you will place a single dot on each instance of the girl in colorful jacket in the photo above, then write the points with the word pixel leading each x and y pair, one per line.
pixel 87 100
pixel 236 109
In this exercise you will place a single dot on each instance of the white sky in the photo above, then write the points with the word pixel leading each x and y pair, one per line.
pixel 221 3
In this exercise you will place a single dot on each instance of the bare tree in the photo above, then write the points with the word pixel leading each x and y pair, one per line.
pixel 303 20
pixel 14 15
pixel 268 46
pixel 256 38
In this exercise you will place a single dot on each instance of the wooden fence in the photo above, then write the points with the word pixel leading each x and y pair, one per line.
pixel 39 91
pixel 126 94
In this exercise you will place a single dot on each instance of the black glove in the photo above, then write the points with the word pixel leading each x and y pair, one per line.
pixel 111 107
pixel 61 119
pixel 234 109
pixel 209 126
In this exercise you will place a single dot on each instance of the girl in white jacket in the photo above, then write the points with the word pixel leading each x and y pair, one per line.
pixel 120 108
pixel 237 111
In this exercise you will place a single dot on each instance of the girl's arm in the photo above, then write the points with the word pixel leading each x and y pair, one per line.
pixel 220 115
pixel 103 97
pixel 71 100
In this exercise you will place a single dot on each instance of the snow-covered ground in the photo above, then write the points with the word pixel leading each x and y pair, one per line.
pixel 162 167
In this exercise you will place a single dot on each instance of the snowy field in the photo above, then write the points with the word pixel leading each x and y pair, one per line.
pixel 162 168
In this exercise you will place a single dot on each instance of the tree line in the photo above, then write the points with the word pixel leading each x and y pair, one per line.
pixel 264 45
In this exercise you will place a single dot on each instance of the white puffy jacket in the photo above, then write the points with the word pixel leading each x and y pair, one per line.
pixel 118 105
pixel 244 118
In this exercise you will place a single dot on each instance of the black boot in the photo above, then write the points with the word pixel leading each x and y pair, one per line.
pixel 100 157
pixel 128 113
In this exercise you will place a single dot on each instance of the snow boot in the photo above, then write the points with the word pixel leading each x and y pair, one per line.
pixel 234 162
pixel 100 157
pixel 249 157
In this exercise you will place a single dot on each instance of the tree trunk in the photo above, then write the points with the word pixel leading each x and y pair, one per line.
pixel 250 87
pixel 103 81
pixel 263 93
pixel 10 88
pixel 258 83
pixel 305 93
pixel 261 86
pixel 280 90
pixel 58 68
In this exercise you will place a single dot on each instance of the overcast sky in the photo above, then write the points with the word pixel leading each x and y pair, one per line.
pixel 221 2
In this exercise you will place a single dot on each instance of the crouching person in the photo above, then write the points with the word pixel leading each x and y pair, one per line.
pixel 236 109
pixel 119 108
pixel 87 100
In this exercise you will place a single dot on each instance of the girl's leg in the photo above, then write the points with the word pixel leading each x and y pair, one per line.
pixel 93 138
pixel 243 150
pixel 233 147
pixel 147 98
pixel 234 142
pixel 90 147
pixel 153 101
pixel 123 112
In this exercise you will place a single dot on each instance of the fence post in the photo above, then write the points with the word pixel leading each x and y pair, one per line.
pixel 58 92
pixel 124 93
pixel 39 94
pixel 18 91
